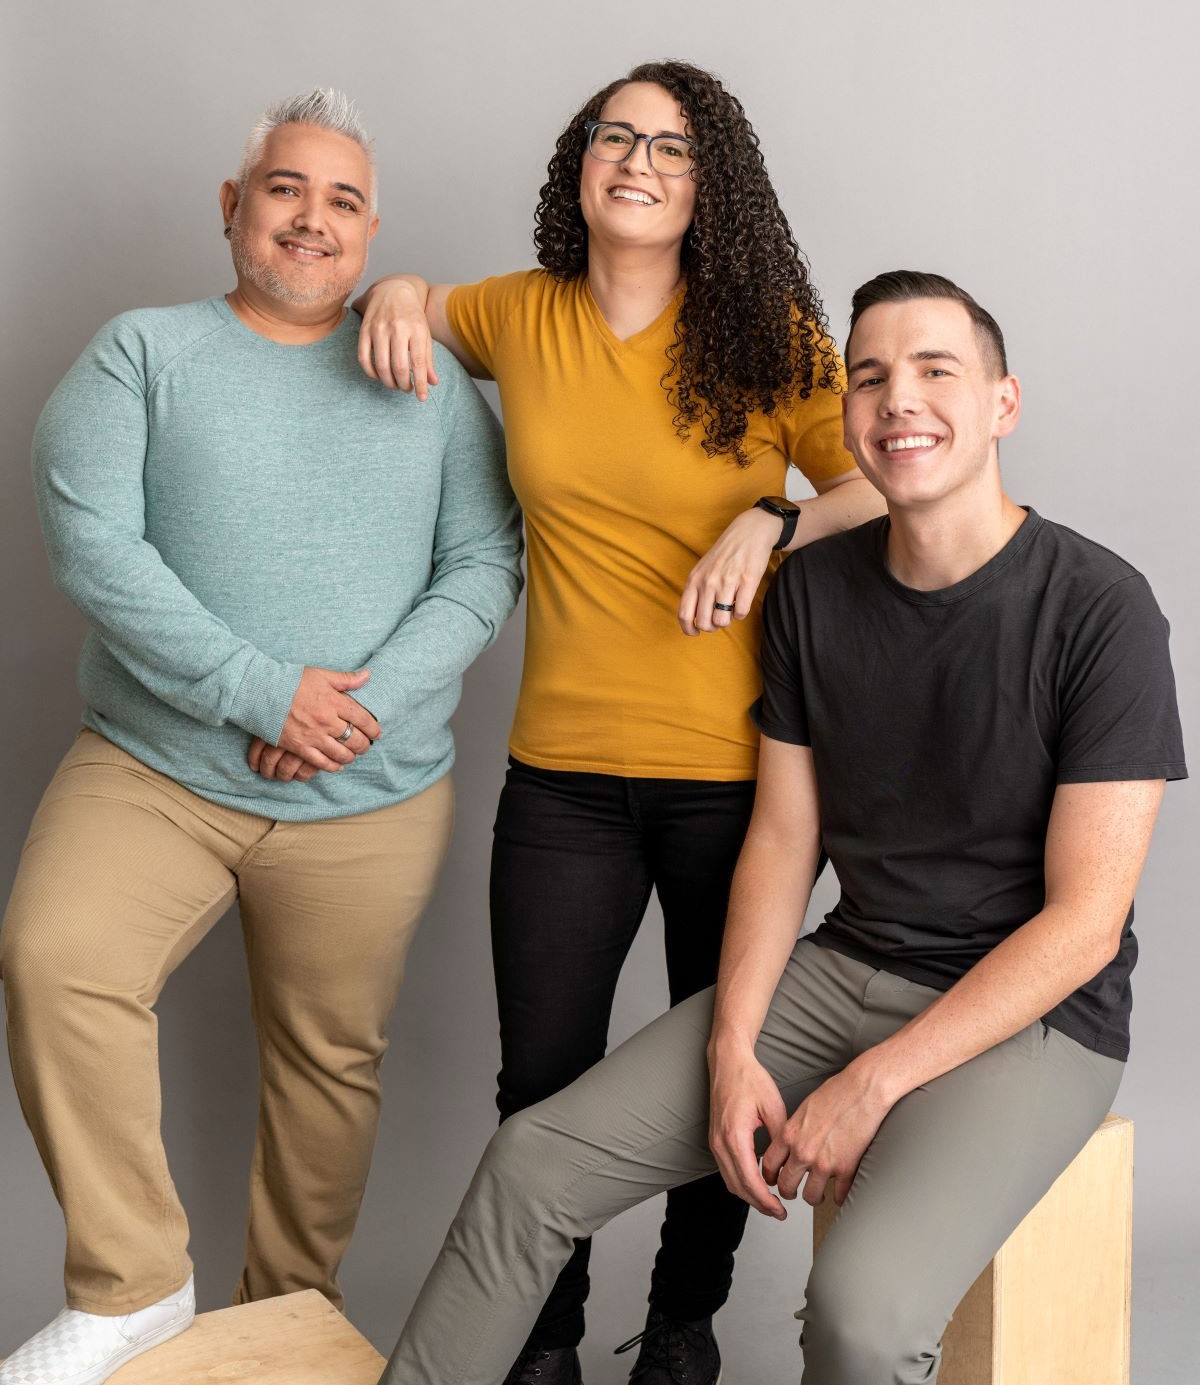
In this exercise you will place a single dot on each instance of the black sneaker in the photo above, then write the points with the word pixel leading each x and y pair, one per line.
pixel 674 1352
pixel 535 1366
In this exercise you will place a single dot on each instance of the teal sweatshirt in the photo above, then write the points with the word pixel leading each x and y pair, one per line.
pixel 224 510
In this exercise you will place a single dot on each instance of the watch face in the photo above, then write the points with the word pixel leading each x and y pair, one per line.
pixel 778 505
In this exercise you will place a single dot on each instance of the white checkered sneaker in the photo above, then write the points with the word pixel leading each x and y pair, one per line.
pixel 86 1348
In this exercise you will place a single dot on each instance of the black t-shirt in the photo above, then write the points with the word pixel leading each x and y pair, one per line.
pixel 940 724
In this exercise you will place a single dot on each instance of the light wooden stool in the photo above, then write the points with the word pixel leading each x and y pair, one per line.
pixel 300 1339
pixel 1052 1308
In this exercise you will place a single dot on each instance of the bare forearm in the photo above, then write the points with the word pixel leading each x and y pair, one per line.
pixel 1096 845
pixel 843 506
pixel 1018 982
pixel 722 586
pixel 766 912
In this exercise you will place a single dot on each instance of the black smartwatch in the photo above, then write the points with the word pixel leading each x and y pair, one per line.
pixel 782 508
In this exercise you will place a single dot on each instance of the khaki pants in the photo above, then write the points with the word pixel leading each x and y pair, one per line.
pixel 123 873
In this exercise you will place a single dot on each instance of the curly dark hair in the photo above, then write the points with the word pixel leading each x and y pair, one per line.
pixel 751 332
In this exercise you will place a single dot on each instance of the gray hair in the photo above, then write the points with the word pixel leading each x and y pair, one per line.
pixel 323 107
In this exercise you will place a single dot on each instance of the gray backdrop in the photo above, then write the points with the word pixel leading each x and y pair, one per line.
pixel 1043 154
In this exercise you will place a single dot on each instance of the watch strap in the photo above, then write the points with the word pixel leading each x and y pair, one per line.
pixel 782 508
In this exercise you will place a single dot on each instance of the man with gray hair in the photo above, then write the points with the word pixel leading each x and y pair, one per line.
pixel 265 544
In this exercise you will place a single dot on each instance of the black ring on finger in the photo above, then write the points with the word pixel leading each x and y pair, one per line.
pixel 721 606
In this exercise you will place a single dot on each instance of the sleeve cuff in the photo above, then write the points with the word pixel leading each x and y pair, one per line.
pixel 265 697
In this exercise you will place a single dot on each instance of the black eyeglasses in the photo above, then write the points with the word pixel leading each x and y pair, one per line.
pixel 613 141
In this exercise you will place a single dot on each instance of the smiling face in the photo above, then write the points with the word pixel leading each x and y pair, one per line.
pixel 629 204
pixel 301 226
pixel 925 404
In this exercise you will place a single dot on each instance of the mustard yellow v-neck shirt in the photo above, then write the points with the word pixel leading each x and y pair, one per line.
pixel 617 510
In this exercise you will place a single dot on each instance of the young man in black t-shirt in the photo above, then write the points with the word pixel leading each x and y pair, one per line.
pixel 972 710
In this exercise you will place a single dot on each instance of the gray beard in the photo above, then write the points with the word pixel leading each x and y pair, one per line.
pixel 273 284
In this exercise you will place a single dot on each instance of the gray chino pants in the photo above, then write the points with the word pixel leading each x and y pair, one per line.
pixel 953 1169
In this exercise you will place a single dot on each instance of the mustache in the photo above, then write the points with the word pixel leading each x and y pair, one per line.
pixel 311 242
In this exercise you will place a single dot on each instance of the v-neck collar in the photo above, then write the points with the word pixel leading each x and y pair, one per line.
pixel 632 343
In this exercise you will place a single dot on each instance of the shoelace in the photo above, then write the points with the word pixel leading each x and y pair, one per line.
pixel 666 1337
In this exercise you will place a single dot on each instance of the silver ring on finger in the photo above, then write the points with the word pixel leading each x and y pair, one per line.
pixel 347 733
pixel 721 606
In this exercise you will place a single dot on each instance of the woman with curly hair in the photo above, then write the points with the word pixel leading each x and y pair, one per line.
pixel 658 373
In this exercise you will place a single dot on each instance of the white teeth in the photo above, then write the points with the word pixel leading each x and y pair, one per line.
pixel 904 444
pixel 628 195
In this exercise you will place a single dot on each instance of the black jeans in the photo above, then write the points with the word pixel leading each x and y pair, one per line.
pixel 574 860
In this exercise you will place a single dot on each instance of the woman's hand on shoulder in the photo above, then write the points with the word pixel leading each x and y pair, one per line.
pixel 395 343
pixel 721 587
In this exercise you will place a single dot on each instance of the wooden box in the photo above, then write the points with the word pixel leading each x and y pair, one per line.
pixel 300 1339
pixel 1052 1308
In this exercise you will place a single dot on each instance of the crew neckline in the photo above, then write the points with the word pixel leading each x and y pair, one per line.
pixel 221 304
pixel 959 591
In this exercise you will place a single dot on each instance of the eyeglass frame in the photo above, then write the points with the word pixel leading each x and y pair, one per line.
pixel 591 126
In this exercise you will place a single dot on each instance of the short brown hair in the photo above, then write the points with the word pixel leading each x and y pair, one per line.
pixel 904 285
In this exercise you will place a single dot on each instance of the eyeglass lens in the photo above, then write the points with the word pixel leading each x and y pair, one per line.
pixel 615 143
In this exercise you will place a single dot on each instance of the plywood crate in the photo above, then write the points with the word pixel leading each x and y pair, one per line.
pixel 1052 1308
pixel 299 1339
